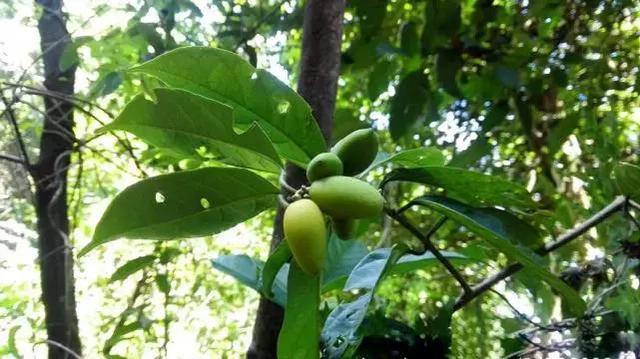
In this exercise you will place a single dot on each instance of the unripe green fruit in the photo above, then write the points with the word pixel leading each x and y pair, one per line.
pixel 357 150
pixel 344 228
pixel 345 197
pixel 306 233
pixel 324 165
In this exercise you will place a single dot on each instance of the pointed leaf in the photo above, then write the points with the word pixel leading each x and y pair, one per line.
pixel 182 123
pixel 340 333
pixel 417 157
pixel 254 95
pixel 274 263
pixel 472 187
pixel 247 271
pixel 506 233
pixel 342 257
pixel 298 337
pixel 627 177
pixel 132 267
pixel 184 204
pixel 409 103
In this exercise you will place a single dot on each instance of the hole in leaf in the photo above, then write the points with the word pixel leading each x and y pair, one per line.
pixel 254 76
pixel 205 203
pixel 283 107
pixel 159 197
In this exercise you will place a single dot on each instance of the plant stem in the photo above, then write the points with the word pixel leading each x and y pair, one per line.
pixel 426 241
pixel 615 206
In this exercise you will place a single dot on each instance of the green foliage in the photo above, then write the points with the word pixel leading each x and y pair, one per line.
pixel 132 266
pixel 627 178
pixel 468 186
pixel 277 259
pixel 255 96
pixel 299 334
pixel 184 204
pixel 506 233
pixel 184 124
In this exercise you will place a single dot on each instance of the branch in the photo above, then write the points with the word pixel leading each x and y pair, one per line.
pixel 426 241
pixel 14 123
pixel 251 33
pixel 12 159
pixel 616 205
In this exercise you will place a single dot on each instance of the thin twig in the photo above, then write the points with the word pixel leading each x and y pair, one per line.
pixel 14 123
pixel 426 241
pixel 253 31
pixel 615 206
pixel 12 159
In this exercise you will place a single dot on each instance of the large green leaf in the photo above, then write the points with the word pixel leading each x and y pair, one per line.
pixel 472 187
pixel 508 234
pixel 627 178
pixel 254 95
pixel 448 64
pixel 247 271
pixel 184 204
pixel 299 336
pixel 342 257
pixel 408 105
pixel 380 78
pixel 340 333
pixel 183 123
pixel 272 266
pixel 417 157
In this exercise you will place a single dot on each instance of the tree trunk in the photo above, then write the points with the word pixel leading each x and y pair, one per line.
pixel 50 177
pixel 319 71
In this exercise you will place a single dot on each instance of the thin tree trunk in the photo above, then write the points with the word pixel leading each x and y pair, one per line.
pixel 50 177
pixel 319 71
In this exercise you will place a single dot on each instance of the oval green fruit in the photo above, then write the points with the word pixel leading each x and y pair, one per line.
pixel 324 165
pixel 306 233
pixel 344 228
pixel 357 150
pixel 345 197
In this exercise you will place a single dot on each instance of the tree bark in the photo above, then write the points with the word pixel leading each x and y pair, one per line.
pixel 50 177
pixel 317 84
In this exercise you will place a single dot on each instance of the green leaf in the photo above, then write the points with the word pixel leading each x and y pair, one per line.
pixel 471 187
pixel 478 149
pixel 254 95
pixel 409 39
pixel 448 63
pixel 111 82
pixel 560 132
pixel 340 333
pixel 508 234
pixel 247 271
pixel 380 79
pixel 298 337
pixel 183 124
pixel 626 302
pixel 184 204
pixel 342 257
pixel 417 157
pixel 131 267
pixel 69 56
pixel 162 281
pixel 627 177
pixel 119 334
pixel 409 103
pixel 345 121
pixel 272 266
pixel 509 77
pixel 442 21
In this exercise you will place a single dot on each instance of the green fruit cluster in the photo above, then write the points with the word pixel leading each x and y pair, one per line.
pixel 332 192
